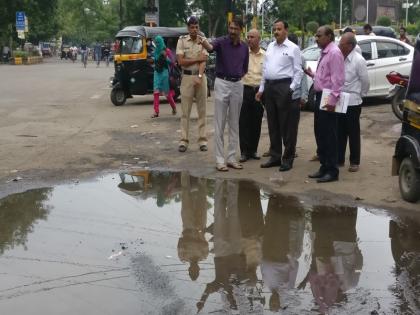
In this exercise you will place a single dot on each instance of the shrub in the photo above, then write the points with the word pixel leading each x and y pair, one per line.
pixel 383 21
pixel 20 54
pixel 411 29
pixel 312 27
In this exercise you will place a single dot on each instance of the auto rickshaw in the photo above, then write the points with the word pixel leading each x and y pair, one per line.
pixel 406 160
pixel 133 60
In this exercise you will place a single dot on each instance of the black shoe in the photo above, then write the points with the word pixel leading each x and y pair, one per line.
pixel 318 174
pixel 271 163
pixel 285 167
pixel 243 158
pixel 182 148
pixel 254 156
pixel 203 148
pixel 327 178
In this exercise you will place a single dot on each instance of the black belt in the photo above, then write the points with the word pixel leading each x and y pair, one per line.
pixel 284 80
pixel 231 79
pixel 254 88
pixel 190 72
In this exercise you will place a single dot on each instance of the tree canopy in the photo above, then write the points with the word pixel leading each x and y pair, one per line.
pixel 92 20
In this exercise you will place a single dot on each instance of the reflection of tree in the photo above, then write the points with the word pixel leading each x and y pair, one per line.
pixel 405 248
pixel 18 213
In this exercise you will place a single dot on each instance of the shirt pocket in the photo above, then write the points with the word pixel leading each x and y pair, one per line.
pixel 282 60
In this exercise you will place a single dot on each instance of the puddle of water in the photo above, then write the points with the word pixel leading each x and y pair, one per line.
pixel 156 242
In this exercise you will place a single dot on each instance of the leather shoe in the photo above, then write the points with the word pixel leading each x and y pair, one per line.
pixel 327 178
pixel 243 158
pixel 254 156
pixel 285 167
pixel 317 174
pixel 271 163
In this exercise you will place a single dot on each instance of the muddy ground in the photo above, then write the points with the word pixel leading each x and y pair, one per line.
pixel 57 124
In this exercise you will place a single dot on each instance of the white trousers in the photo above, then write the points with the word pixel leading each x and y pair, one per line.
pixel 227 106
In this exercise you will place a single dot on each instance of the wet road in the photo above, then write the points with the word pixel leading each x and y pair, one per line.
pixel 170 243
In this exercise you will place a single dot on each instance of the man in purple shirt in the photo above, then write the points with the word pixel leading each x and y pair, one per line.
pixel 329 75
pixel 231 65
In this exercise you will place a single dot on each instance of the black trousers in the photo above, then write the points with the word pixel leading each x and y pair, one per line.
pixel 349 128
pixel 316 120
pixel 327 140
pixel 278 104
pixel 250 121
pixel 291 131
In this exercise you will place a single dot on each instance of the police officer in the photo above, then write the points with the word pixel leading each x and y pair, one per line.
pixel 192 58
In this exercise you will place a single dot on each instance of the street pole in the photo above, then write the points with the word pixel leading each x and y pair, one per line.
pixel 406 13
pixel 341 11
pixel 121 15
pixel 367 11
pixel 246 15
pixel 262 19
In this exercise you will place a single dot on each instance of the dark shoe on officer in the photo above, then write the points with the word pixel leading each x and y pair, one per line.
pixel 270 163
pixel 327 178
pixel 254 156
pixel 317 174
pixel 243 158
pixel 285 167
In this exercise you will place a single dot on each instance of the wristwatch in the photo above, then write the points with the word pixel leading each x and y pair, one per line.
pixel 200 76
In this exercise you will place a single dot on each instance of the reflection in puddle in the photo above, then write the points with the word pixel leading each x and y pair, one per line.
pixel 159 242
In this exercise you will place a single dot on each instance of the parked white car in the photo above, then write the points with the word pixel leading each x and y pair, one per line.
pixel 382 54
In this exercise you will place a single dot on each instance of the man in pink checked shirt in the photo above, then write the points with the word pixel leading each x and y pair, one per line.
pixel 329 75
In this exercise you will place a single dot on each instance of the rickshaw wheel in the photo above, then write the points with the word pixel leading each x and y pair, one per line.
pixel 409 181
pixel 118 96
pixel 397 103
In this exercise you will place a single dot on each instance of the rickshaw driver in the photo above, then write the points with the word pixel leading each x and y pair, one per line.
pixel 192 58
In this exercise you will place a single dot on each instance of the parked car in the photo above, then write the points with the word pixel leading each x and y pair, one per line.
pixel 382 54
pixel 377 29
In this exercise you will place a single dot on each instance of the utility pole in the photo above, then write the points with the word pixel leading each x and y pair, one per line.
pixel 121 15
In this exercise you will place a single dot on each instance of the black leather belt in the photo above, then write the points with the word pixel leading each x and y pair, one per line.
pixel 254 88
pixel 231 79
pixel 190 72
pixel 284 80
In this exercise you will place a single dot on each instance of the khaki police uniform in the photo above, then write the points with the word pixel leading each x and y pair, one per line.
pixel 191 49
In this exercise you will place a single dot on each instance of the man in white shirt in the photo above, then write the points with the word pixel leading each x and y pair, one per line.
pixel 357 85
pixel 282 74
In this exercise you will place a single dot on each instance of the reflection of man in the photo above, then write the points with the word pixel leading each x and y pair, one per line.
pixel 282 246
pixel 192 58
pixel 192 245
pixel 228 258
pixel 251 111
pixel 336 258
pixel 329 75
pixel 357 85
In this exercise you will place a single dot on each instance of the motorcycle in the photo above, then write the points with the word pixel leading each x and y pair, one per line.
pixel 397 92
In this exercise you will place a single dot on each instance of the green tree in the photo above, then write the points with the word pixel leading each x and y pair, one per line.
pixel 42 17
pixel 384 21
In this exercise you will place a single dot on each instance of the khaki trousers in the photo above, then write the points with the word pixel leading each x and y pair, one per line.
pixel 189 91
